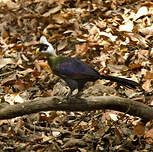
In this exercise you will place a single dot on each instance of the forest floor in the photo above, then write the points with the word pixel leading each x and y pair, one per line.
pixel 114 36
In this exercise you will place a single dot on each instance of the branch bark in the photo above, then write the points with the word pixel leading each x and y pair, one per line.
pixel 75 104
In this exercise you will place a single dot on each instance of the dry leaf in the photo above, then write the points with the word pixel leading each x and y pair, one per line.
pixel 94 30
pixel 25 72
pixel 59 18
pixel 4 33
pixel 117 68
pixel 147 30
pixel 62 45
pixel 134 66
pixel 113 116
pixel 109 35
pixel 81 48
pixel 12 5
pixel 56 133
pixel 21 85
pixel 139 129
pixel 5 61
pixel 52 11
pixel 44 65
pixel 146 85
pixel 13 98
pixel 149 136
pixel 149 75
pixel 138 38
pixel 141 12
pixel 128 27
pixel 9 80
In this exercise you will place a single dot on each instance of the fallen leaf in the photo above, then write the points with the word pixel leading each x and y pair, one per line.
pixel 59 18
pixel 109 35
pixel 13 98
pixel 149 136
pixel 117 68
pixel 113 116
pixel 25 72
pixel 94 30
pixel 128 26
pixel 10 80
pixel 43 65
pixel 4 33
pixel 147 30
pixel 149 75
pixel 12 5
pixel 81 48
pixel 62 45
pixel 5 61
pixel 52 11
pixel 135 66
pixel 21 85
pixel 141 12
pixel 146 85
pixel 139 129
pixel 56 133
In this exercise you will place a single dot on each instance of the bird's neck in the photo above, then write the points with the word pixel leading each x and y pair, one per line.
pixel 52 60
pixel 54 54
pixel 51 54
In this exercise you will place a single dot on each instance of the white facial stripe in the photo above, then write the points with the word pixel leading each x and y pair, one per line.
pixel 50 50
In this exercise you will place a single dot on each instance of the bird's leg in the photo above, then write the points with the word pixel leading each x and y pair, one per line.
pixel 78 94
pixel 69 94
pixel 72 85
pixel 80 87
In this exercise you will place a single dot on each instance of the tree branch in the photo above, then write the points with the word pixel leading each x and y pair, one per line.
pixel 75 104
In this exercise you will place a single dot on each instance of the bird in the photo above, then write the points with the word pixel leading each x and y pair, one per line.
pixel 74 71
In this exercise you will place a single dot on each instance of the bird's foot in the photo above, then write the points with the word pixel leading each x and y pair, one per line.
pixel 78 95
pixel 71 98
pixel 68 97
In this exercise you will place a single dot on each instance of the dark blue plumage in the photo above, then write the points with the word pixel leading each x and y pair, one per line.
pixel 76 69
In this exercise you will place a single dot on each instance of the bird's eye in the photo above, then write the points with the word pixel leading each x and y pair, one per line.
pixel 45 48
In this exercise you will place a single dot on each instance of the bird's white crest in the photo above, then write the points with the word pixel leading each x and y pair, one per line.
pixel 43 39
pixel 50 50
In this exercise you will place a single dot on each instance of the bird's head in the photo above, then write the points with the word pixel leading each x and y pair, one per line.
pixel 45 47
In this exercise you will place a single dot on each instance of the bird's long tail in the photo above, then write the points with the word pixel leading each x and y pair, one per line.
pixel 125 82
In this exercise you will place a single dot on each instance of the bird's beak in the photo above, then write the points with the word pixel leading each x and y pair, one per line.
pixel 37 51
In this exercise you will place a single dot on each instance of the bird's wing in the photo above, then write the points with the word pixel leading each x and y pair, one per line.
pixel 76 69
